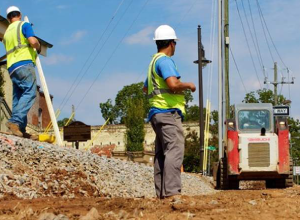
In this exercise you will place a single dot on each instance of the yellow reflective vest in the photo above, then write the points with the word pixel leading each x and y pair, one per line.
pixel 17 45
pixel 159 94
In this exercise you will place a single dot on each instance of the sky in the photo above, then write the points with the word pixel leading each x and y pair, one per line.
pixel 99 46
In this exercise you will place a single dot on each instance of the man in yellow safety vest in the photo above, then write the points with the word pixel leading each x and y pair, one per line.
pixel 19 41
pixel 165 92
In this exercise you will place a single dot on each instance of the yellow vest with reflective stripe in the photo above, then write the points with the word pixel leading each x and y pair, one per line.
pixel 159 94
pixel 16 44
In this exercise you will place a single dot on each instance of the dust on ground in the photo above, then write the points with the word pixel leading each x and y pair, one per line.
pixel 233 204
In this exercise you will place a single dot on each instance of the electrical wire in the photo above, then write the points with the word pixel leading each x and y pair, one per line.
pixel 264 31
pixel 212 45
pixel 262 15
pixel 98 52
pixel 114 51
pixel 237 68
pixel 251 35
pixel 67 96
pixel 256 39
pixel 186 13
pixel 175 27
pixel 253 63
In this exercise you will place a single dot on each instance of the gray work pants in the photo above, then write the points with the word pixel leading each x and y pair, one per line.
pixel 169 151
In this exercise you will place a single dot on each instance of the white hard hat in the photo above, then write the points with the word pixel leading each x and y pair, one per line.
pixel 165 32
pixel 11 9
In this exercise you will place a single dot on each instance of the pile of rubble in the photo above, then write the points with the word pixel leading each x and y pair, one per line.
pixel 30 169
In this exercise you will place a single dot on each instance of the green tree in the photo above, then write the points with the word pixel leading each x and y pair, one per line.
pixel 119 110
pixel 128 94
pixel 192 113
pixel 62 122
pixel 188 97
pixel 191 160
pixel 134 121
pixel 263 96
pixel 108 111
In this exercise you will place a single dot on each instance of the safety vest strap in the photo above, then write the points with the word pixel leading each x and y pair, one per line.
pixel 154 83
pixel 157 90
pixel 20 45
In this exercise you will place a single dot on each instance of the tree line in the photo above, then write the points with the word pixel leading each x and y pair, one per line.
pixel 131 107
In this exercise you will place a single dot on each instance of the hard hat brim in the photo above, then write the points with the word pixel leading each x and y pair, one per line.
pixel 175 39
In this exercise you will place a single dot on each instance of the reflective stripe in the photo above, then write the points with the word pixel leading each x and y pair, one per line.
pixel 19 40
pixel 18 33
pixel 155 85
pixel 16 48
pixel 156 90
pixel 163 91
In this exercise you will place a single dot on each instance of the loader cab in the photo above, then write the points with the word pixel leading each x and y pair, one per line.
pixel 254 118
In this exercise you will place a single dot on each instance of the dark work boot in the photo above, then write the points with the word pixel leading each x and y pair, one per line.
pixel 33 137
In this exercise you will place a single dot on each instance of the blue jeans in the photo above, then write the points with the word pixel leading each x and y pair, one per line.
pixel 24 93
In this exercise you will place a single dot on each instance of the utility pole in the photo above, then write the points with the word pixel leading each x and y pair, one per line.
pixel 226 54
pixel 224 97
pixel 275 83
pixel 201 119
pixel 220 79
pixel 201 60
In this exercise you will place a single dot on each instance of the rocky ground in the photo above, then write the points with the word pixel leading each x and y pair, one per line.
pixel 30 169
pixel 45 182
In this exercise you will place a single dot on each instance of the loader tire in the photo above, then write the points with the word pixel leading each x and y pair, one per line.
pixel 289 179
pixel 222 177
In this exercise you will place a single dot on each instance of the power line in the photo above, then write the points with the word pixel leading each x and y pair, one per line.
pixel 176 26
pixel 183 17
pixel 102 46
pixel 263 28
pixel 66 98
pixel 257 44
pixel 248 43
pixel 237 68
pixel 262 15
pixel 251 35
pixel 212 45
pixel 107 61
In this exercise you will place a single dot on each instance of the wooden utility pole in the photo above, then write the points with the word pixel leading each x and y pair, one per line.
pixel 201 118
pixel 226 54
pixel 275 83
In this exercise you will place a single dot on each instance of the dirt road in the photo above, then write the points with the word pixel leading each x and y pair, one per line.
pixel 239 204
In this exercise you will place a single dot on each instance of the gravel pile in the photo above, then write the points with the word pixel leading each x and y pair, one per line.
pixel 30 169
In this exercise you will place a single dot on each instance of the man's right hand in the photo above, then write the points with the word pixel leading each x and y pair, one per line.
pixel 192 87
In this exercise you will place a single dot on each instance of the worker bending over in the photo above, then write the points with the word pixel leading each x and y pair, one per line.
pixel 165 92
pixel 20 41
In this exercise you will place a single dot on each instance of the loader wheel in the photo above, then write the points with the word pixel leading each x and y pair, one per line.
pixel 283 182
pixel 233 182
pixel 222 177
pixel 289 179
pixel 275 183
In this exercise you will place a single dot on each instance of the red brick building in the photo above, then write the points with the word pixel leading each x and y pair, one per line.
pixel 39 114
